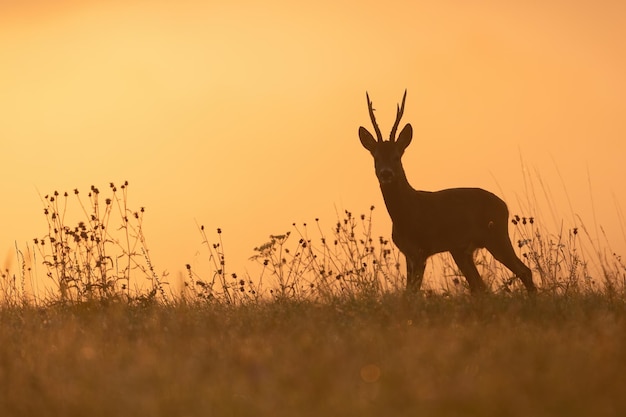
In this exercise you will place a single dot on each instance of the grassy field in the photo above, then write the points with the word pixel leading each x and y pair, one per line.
pixel 324 328
pixel 432 356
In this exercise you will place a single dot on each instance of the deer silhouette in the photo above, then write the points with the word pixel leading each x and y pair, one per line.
pixel 455 220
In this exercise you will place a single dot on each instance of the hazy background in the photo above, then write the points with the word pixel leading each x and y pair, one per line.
pixel 244 115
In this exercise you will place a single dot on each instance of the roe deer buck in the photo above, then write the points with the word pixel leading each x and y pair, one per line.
pixel 456 220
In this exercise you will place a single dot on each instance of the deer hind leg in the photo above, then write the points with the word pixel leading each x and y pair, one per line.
pixel 415 266
pixel 465 261
pixel 503 252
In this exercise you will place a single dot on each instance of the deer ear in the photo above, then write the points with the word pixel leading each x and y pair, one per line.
pixel 405 136
pixel 367 140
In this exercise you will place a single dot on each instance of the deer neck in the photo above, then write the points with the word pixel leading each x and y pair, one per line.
pixel 396 195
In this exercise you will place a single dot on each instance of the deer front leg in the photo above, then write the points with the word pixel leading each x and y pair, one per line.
pixel 415 266
pixel 415 260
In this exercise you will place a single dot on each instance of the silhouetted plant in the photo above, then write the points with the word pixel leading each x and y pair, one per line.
pixel 222 287
pixel 98 256
pixel 556 257
pixel 349 263
pixel 16 287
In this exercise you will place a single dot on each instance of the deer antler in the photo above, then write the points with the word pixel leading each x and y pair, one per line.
pixel 379 135
pixel 392 135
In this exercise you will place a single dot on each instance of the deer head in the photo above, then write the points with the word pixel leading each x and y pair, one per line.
pixel 387 154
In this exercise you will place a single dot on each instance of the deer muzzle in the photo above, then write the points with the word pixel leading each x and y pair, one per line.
pixel 385 175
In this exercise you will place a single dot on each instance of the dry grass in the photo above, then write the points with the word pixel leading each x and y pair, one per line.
pixel 432 356
pixel 324 329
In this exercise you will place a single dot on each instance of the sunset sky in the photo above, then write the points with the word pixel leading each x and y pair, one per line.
pixel 243 115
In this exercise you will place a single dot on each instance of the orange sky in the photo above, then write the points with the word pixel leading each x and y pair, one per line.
pixel 244 116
